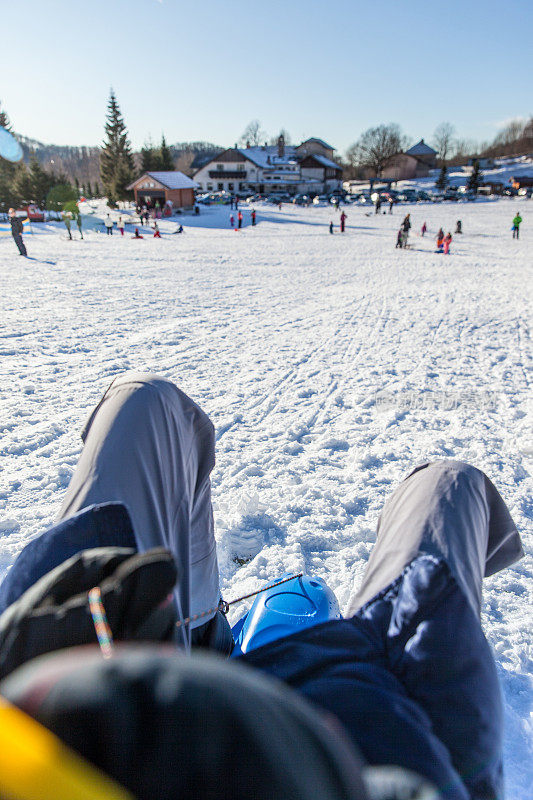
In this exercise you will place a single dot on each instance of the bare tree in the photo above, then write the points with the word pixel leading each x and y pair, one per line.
pixel 253 134
pixel 443 140
pixel 465 147
pixel 375 147
pixel 512 132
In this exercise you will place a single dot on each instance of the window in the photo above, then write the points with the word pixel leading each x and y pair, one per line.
pixel 230 187
pixel 209 187
pixel 240 167
pixel 220 167
pixel 242 187
pixel 220 187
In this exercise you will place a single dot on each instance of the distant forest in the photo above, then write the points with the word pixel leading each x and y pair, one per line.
pixel 82 164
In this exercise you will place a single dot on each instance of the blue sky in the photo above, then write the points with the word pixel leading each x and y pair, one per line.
pixel 204 69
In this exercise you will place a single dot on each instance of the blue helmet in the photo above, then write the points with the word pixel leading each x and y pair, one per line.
pixel 300 603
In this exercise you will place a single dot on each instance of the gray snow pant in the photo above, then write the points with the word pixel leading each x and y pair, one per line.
pixel 150 447
pixel 20 244
pixel 447 509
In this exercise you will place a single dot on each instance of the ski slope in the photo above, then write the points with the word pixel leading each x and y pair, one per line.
pixel 330 365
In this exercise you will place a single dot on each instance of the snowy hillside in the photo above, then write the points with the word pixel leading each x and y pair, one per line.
pixel 330 365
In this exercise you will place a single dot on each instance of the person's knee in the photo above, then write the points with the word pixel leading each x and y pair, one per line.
pixel 461 469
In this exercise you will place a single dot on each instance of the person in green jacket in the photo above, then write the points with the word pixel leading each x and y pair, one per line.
pixel 516 226
pixel 67 217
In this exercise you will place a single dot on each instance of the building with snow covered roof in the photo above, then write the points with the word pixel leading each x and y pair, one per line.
pixel 172 187
pixel 414 163
pixel 424 153
pixel 268 169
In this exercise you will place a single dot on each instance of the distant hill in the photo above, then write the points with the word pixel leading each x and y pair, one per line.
pixel 83 162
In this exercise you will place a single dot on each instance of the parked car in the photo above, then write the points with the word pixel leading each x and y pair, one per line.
pixel 451 194
pixel 301 199
pixel 424 197
pixel 35 214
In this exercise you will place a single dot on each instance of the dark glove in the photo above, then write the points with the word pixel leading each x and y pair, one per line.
pixel 54 613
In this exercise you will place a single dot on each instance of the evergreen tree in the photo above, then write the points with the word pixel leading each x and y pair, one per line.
pixel 150 158
pixel 116 159
pixel 474 181
pixel 77 184
pixel 167 162
pixel 4 119
pixel 41 182
pixel 59 195
pixel 97 192
pixel 7 171
pixel 21 189
pixel 442 180
pixel 89 189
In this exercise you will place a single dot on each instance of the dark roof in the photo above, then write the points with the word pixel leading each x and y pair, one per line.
pixel 320 141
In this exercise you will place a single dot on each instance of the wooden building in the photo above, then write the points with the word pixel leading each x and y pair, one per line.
pixel 164 187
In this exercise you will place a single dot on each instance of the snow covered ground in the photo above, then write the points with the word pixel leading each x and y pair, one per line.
pixel 330 365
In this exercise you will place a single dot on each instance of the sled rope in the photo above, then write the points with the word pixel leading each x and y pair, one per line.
pixel 223 605
pixel 101 625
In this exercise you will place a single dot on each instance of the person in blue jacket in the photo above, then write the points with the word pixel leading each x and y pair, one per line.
pixel 407 676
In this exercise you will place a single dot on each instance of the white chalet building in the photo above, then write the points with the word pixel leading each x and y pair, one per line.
pixel 307 168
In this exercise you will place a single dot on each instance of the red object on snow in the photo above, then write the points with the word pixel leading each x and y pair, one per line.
pixel 34 214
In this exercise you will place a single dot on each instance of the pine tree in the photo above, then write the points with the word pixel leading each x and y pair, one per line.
pixel 21 186
pixel 442 180
pixel 167 162
pixel 77 184
pixel 474 181
pixel 7 171
pixel 116 160
pixel 89 189
pixel 150 161
pixel 4 119
pixel 97 192
pixel 41 182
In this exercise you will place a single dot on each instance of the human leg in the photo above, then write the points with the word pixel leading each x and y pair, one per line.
pixel 20 244
pixel 151 447
pixel 448 509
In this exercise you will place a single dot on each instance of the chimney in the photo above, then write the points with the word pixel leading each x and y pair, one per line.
pixel 281 145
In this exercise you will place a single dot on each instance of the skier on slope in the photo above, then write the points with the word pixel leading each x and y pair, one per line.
pixel 406 226
pixel 67 219
pixel 423 229
pixel 108 222
pixel 343 221
pixel 17 229
pixel 516 226
pixel 440 241
pixel 447 243
pixel 408 676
